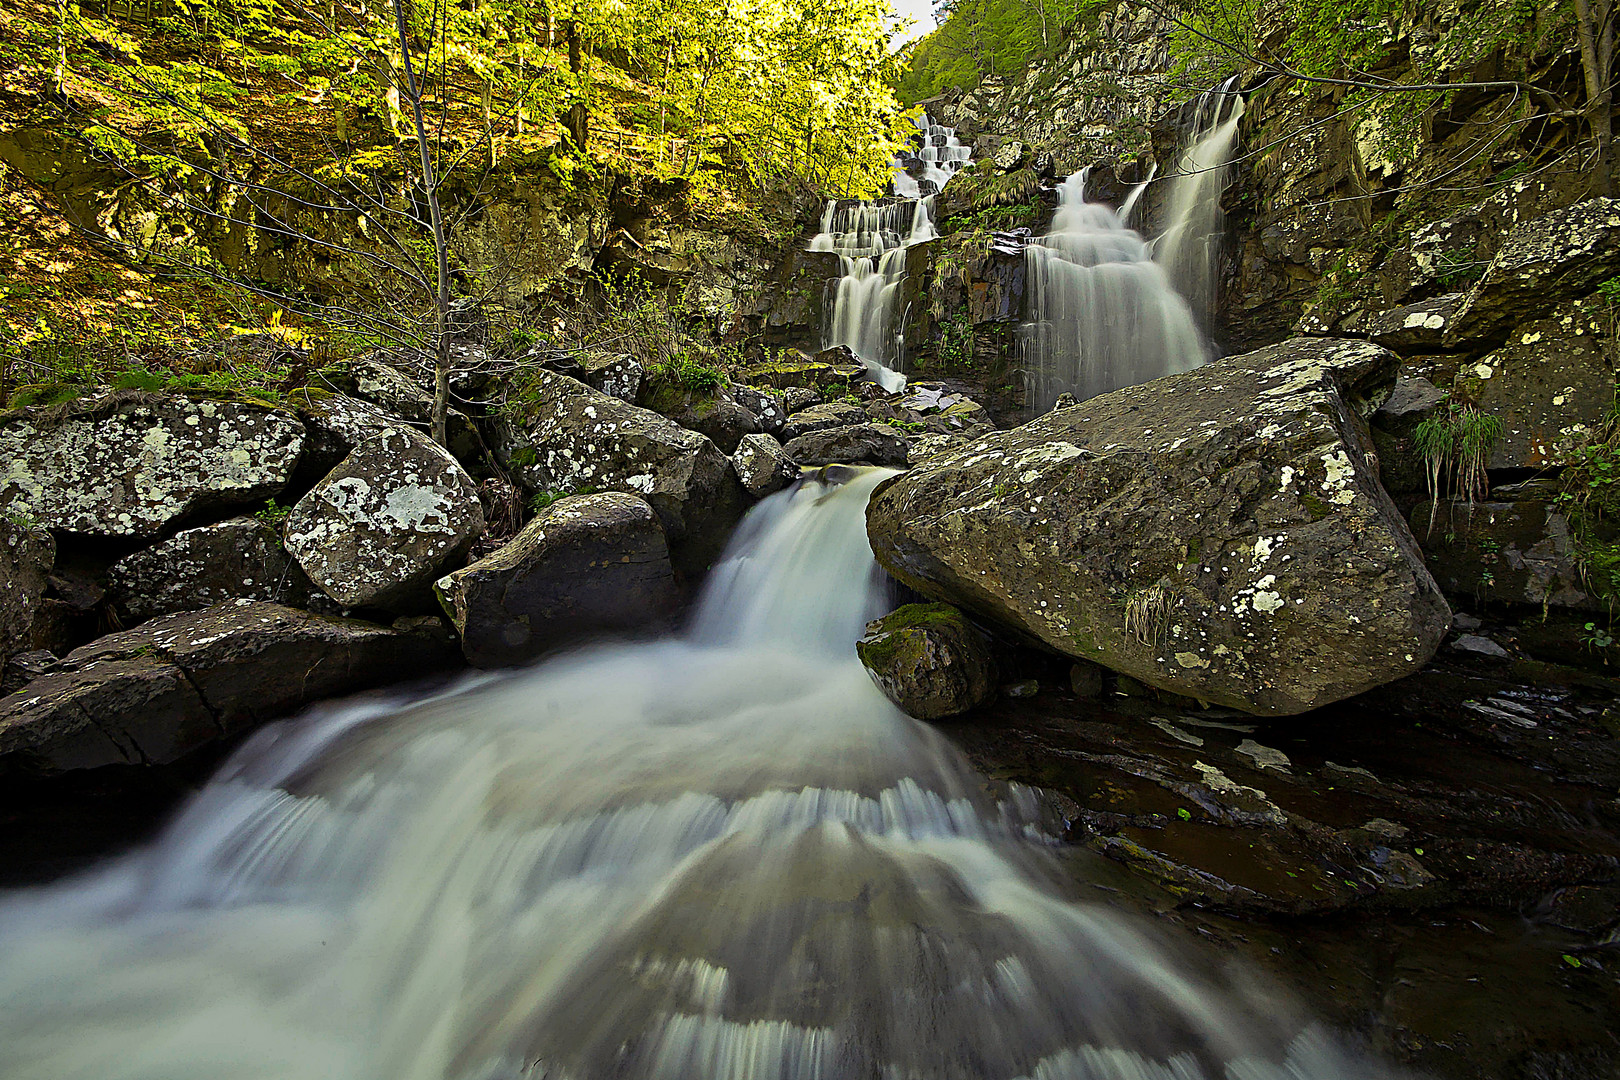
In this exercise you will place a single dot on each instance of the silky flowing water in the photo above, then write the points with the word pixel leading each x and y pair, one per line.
pixel 1195 226
pixel 719 856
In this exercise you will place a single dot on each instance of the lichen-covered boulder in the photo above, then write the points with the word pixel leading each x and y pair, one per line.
pixel 1219 534
pixel 871 444
pixel 239 559
pixel 929 660
pixel 132 464
pixel 762 465
pixel 26 557
pixel 1554 258
pixel 564 437
pixel 1420 325
pixel 334 424
pixel 1550 384
pixel 712 412
pixel 768 408
pixel 588 564
pixel 406 395
pixel 151 695
pixel 379 528
pixel 833 414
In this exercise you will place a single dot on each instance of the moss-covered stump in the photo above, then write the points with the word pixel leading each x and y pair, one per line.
pixel 929 660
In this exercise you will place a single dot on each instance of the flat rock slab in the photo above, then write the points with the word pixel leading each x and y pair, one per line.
pixel 588 564
pixel 149 696
pixel 1219 534
pixel 376 531
pixel 239 559
pixel 136 463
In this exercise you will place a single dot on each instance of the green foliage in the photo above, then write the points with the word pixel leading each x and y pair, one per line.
pixel 542 499
pixel 1589 497
pixel 1357 40
pixel 1596 637
pixel 1456 447
pixel 987 38
pixel 273 514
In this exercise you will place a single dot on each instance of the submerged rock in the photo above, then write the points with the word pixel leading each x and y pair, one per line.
pixel 762 465
pixel 1219 534
pixel 568 438
pixel 378 529
pixel 929 660
pixel 239 559
pixel 151 695
pixel 132 464
pixel 588 564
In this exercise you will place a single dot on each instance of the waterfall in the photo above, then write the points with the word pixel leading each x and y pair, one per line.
pixel 717 857
pixel 1102 313
pixel 1190 247
pixel 871 240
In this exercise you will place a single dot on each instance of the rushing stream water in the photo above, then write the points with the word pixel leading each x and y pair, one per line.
pixel 722 856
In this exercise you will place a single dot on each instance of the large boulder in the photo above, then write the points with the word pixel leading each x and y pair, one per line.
pixel 833 414
pixel 713 412
pixel 871 444
pixel 334 424
pixel 26 557
pixel 588 564
pixel 762 465
pixel 132 464
pixel 1554 258
pixel 403 394
pixel 565 437
pixel 929 660
pixel 1219 534
pixel 239 559
pixel 379 528
pixel 149 696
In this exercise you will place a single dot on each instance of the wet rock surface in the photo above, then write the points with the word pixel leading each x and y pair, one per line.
pixel 871 444
pixel 568 437
pixel 378 528
pixel 239 559
pixel 151 695
pixel 26 558
pixel 929 660
pixel 133 464
pixel 1220 534
pixel 585 566
pixel 1504 550
pixel 762 465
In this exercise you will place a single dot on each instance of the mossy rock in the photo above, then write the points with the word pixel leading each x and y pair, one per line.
pixel 929 660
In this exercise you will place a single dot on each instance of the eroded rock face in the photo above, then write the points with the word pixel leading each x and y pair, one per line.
pixel 26 557
pixel 151 695
pixel 134 464
pixel 929 660
pixel 570 437
pixel 239 559
pixel 1551 385
pixel 380 527
pixel 1506 550
pixel 872 444
pixel 588 564
pixel 1554 258
pixel 762 465
pixel 1220 534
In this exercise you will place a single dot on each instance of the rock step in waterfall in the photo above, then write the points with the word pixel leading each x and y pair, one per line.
pixel 871 240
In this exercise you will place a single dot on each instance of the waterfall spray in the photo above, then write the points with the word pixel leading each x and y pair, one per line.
pixel 1190 247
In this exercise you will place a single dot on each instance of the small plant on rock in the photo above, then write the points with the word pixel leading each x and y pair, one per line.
pixel 1456 450
pixel 1146 613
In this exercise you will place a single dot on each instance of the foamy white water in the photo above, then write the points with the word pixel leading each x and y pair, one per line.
pixel 719 857
pixel 1195 226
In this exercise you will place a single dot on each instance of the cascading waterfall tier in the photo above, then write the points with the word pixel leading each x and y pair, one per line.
pixel 717 857
pixel 1102 313
pixel 1190 246
pixel 871 240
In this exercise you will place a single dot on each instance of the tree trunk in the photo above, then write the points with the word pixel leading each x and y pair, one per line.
pixel 441 249
pixel 1594 27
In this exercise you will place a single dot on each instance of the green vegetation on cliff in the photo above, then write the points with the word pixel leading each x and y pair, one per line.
pixel 982 38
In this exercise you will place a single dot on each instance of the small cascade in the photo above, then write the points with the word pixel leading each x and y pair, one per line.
pixel 719 856
pixel 871 240
pixel 1190 247
pixel 1103 314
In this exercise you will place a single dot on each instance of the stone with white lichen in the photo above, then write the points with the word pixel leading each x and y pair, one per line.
pixel 1220 534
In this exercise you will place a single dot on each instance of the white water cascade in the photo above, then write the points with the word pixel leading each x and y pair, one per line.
pixel 872 240
pixel 1190 246
pixel 718 857
pixel 1102 313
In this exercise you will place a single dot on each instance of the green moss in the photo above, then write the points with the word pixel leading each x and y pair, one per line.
pixel 897 646
pixel 1315 506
